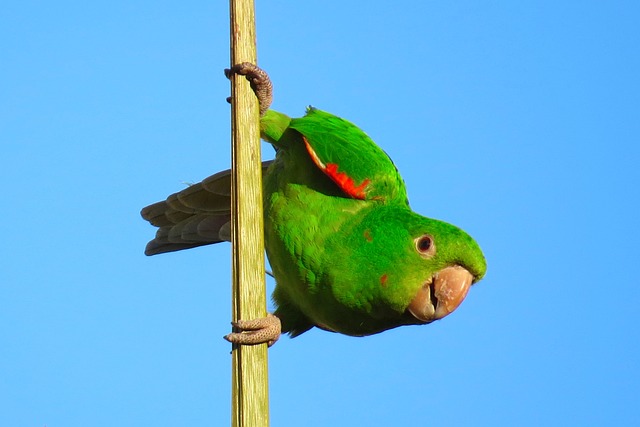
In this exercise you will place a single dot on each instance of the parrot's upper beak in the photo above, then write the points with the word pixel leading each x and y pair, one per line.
pixel 441 294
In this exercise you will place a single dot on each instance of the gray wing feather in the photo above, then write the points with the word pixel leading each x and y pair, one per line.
pixel 196 216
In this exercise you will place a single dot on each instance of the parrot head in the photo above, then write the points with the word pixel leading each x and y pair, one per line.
pixel 447 261
pixel 420 268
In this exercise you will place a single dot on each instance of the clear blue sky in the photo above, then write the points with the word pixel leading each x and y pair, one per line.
pixel 518 121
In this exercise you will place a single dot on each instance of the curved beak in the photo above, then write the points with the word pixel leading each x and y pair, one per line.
pixel 442 294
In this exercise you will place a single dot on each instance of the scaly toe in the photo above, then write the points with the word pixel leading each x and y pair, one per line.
pixel 256 331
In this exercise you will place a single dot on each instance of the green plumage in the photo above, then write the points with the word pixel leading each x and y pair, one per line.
pixel 347 252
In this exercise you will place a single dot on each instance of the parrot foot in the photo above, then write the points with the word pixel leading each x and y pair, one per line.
pixel 256 331
pixel 259 81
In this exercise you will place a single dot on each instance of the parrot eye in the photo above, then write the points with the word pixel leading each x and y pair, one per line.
pixel 425 245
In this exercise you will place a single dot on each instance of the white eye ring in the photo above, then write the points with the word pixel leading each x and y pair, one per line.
pixel 425 245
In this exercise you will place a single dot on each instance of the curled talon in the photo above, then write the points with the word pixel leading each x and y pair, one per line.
pixel 259 81
pixel 257 331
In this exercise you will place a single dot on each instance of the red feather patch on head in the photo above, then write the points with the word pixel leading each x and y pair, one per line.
pixel 383 280
pixel 344 181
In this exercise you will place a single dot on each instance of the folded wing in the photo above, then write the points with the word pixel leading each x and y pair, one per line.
pixel 196 216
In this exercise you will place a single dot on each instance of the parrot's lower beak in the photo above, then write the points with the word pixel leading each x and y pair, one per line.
pixel 442 294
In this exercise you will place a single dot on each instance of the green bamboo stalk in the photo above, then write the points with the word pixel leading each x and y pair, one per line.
pixel 250 391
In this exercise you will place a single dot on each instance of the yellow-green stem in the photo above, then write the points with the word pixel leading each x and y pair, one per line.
pixel 250 391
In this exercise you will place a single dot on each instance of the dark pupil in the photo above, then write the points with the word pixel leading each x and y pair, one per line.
pixel 424 244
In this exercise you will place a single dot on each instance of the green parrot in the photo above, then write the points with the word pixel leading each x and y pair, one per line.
pixel 347 252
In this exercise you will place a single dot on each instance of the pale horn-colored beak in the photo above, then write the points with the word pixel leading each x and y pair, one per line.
pixel 442 294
